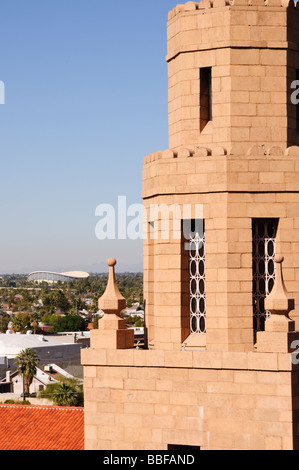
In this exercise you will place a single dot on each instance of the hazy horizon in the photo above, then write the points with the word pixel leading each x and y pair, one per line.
pixel 97 268
pixel 85 101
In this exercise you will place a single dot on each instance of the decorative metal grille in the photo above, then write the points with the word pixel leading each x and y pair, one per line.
pixel 197 261
pixel 264 250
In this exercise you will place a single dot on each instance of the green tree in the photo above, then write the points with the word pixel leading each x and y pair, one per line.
pixel 139 323
pixel 27 361
pixel 20 323
pixel 4 320
pixel 61 301
pixel 48 302
pixel 65 394
pixel 49 319
pixel 69 323
pixel 34 320
pixel 69 394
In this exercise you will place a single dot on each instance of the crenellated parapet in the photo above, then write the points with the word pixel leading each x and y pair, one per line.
pixel 255 150
pixel 198 26
pixel 184 153
pixel 205 170
pixel 206 4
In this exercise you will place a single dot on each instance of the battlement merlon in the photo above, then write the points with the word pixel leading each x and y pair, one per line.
pixel 202 171
pixel 207 4
pixel 258 23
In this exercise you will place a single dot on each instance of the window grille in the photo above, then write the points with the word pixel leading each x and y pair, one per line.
pixel 197 282
pixel 264 251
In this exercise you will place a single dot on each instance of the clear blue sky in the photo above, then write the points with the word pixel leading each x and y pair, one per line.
pixel 85 101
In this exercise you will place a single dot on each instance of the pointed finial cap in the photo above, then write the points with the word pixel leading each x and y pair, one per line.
pixel 112 301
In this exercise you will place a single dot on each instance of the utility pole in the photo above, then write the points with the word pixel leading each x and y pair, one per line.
pixel 22 369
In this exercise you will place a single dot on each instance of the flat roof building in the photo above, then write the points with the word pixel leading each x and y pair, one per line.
pixel 61 350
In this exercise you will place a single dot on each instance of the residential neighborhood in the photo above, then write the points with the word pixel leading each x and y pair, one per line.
pixel 54 321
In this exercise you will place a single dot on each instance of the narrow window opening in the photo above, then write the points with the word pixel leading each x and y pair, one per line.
pixel 205 96
pixel 194 283
pixel 263 253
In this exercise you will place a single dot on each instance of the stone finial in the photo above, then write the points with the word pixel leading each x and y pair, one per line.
pixel 280 330
pixel 112 332
pixel 112 302
pixel 279 302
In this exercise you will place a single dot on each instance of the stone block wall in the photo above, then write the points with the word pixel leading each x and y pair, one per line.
pixel 147 400
pixel 232 190
pixel 252 50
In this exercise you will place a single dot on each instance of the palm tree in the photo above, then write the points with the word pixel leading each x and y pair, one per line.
pixel 65 394
pixel 18 324
pixel 27 361
pixel 34 320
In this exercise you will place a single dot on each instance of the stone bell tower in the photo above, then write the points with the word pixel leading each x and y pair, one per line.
pixel 233 136
pixel 230 72
pixel 220 367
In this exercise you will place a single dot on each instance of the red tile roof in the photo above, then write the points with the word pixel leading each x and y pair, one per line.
pixel 32 427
